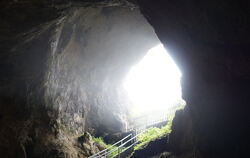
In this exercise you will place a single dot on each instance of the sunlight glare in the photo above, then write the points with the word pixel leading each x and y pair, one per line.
pixel 154 83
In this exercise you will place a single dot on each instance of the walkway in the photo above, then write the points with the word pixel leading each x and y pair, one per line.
pixel 140 126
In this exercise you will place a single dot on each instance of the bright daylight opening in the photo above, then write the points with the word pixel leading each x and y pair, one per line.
pixel 153 85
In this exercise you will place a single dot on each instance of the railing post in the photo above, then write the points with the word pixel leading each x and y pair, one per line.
pixel 119 152
pixel 126 127
pixel 132 140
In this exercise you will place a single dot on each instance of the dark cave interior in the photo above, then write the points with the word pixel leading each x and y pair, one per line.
pixel 62 63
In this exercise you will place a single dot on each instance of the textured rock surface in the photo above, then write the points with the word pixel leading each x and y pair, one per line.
pixel 59 75
pixel 153 148
pixel 88 146
pixel 62 73
pixel 210 43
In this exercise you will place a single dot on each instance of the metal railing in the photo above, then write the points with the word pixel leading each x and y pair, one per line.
pixel 107 153
pixel 131 139
pixel 104 153
pixel 145 121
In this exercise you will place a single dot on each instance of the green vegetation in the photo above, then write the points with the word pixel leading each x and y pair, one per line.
pixel 153 133
pixel 181 107
pixel 98 140
pixel 101 141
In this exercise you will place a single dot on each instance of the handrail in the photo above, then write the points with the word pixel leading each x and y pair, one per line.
pixel 110 146
pixel 165 117
pixel 149 123
pixel 141 129
pixel 131 139
pixel 104 154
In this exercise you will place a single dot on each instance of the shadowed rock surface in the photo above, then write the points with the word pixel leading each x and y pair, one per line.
pixel 153 148
pixel 209 40
pixel 63 61
pixel 63 72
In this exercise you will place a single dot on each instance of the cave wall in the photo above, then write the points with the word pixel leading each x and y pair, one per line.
pixel 59 75
pixel 63 67
pixel 209 40
pixel 92 55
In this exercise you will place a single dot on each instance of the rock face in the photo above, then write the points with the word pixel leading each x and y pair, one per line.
pixel 88 146
pixel 153 148
pixel 62 72
pixel 210 42
pixel 62 62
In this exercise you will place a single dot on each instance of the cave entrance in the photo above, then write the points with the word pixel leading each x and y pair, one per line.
pixel 153 85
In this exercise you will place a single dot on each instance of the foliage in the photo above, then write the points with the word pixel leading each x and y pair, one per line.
pixel 150 135
pixel 101 141
pixel 181 107
pixel 153 133
pixel 114 153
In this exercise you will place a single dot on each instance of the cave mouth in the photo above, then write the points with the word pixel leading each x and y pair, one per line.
pixel 153 84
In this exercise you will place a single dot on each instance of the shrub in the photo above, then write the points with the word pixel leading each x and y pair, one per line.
pixel 99 140
pixel 153 133
pixel 114 153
